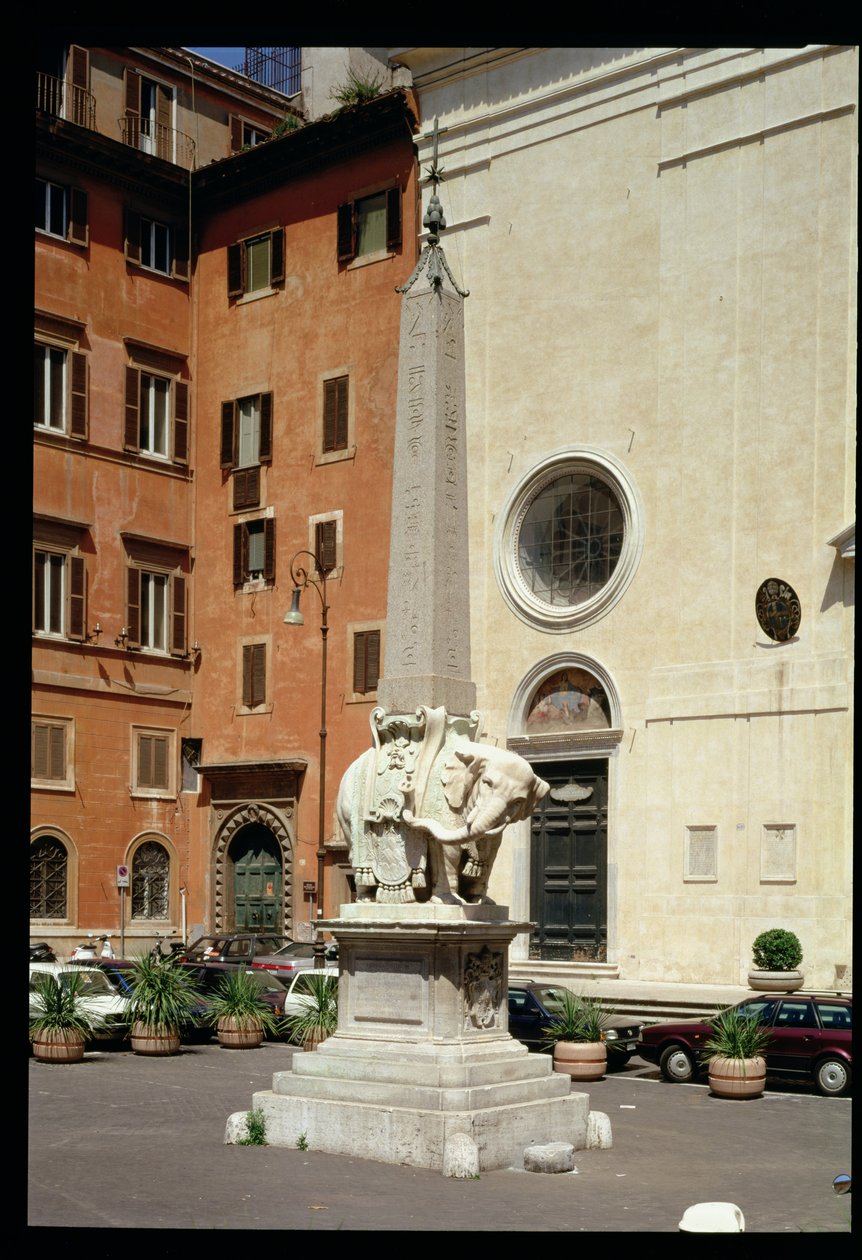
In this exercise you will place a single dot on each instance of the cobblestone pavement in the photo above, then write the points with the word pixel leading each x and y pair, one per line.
pixel 124 1142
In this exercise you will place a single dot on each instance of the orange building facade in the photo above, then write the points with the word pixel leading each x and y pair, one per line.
pixel 215 353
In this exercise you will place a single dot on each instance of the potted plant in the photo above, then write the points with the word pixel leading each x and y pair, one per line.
pixel 777 955
pixel 734 1055
pixel 576 1033
pixel 63 1021
pixel 162 1000
pixel 318 1018
pixel 238 1013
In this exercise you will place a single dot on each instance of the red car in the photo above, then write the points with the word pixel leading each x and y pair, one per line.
pixel 811 1040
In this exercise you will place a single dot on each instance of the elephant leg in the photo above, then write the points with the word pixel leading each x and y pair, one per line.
pixel 477 870
pixel 445 864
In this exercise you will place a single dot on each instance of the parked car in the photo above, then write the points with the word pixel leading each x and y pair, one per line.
pixel 811 1040
pixel 532 1007
pixel 239 947
pixel 295 997
pixel 207 976
pixel 293 957
pixel 107 1004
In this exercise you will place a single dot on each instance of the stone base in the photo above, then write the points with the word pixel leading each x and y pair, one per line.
pixel 417 1137
pixel 423 1051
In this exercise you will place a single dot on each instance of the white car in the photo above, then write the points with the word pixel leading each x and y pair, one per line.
pixel 110 1009
pixel 298 988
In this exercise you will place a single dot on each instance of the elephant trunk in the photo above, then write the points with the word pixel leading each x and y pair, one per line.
pixel 488 819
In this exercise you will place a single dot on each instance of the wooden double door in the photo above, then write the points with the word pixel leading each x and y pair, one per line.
pixel 569 868
pixel 257 879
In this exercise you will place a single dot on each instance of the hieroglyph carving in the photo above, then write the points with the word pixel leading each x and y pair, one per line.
pixel 423 811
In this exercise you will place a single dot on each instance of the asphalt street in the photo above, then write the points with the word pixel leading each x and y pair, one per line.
pixel 122 1142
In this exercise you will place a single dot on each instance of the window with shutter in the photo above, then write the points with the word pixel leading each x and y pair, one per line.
pixel 156 418
pixel 59 594
pixel 335 413
pixel 153 770
pixel 52 752
pixel 325 545
pixel 366 661
pixel 253 675
pixel 61 211
pixel 254 551
pixel 369 225
pixel 256 264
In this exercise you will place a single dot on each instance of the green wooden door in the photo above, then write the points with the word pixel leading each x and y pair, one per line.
pixel 257 880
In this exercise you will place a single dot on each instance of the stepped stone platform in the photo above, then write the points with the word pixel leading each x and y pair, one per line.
pixel 423 1052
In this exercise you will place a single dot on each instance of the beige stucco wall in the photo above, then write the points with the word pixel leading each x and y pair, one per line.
pixel 660 248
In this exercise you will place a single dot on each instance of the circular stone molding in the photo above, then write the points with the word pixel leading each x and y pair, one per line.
pixel 587 542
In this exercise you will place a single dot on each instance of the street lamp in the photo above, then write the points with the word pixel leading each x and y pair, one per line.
pixel 293 617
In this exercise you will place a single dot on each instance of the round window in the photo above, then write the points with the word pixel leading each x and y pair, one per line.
pixel 569 539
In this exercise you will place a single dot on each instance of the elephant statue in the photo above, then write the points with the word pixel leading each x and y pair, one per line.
pixel 423 811
pixel 488 788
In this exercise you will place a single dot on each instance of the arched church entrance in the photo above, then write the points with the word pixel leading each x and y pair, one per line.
pixel 256 859
pixel 566 723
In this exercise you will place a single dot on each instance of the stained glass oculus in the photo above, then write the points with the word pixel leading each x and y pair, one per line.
pixel 570 539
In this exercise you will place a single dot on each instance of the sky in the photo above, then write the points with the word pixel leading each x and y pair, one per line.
pixel 229 57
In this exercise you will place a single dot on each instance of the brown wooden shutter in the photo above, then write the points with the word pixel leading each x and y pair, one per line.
pixel 240 554
pixel 181 422
pixel 180 242
pixel 79 77
pixel 228 456
pixel 48 751
pixel 164 122
pixel 131 432
pixel 78 423
pixel 78 233
pixel 160 761
pixel 236 128
pixel 269 549
pixel 265 445
pixel 77 597
pixel 393 218
pixel 276 257
pixel 253 675
pixel 346 246
pixel 372 659
pixel 325 545
pixel 335 413
pixel 133 607
pixel 132 234
pixel 39 757
pixel 145 761
pixel 246 488
pixel 39 562
pixel 236 269
pixel 132 96
pixel 178 615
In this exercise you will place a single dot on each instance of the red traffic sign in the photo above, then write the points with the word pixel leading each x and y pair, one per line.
pixel 122 876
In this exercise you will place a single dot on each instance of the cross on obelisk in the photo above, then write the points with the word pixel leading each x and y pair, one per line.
pixel 427 657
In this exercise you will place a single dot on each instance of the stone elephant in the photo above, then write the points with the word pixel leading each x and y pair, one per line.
pixel 487 788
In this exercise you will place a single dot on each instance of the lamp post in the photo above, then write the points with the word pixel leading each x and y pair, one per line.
pixel 302 579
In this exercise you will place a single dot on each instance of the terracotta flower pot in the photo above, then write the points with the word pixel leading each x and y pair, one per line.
pixel 58 1047
pixel 737 1078
pixel 582 1060
pixel 236 1035
pixel 148 1040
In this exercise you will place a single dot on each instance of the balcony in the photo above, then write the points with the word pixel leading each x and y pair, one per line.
pixel 162 142
pixel 64 100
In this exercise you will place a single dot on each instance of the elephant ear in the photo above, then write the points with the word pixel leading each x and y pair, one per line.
pixel 458 776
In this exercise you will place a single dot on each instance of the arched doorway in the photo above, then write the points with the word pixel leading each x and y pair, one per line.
pixel 257 879
pixel 566 721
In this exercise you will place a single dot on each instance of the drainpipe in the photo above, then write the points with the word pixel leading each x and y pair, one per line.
pixel 184 892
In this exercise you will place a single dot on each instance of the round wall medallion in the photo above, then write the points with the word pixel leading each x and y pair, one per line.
pixel 778 610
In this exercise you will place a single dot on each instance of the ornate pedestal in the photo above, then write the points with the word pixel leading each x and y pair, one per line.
pixel 423 1051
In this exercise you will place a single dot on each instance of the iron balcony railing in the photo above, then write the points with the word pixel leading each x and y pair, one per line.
pixel 164 142
pixel 65 100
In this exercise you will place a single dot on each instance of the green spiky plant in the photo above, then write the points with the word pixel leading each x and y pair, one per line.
pixel 578 1018
pixel 319 1016
pixel 163 995
pixel 735 1036
pixel 62 1009
pixel 356 90
pixel 777 950
pixel 237 997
